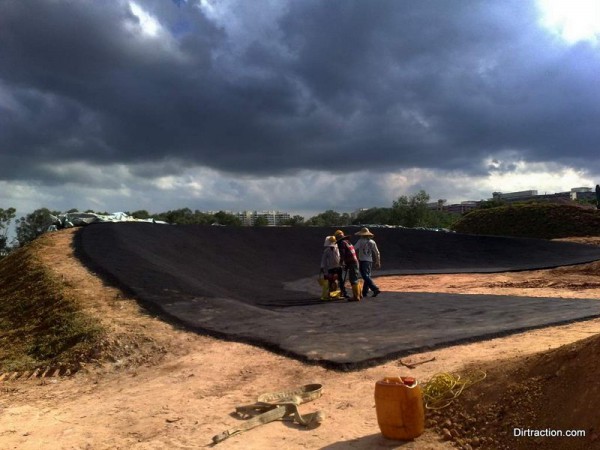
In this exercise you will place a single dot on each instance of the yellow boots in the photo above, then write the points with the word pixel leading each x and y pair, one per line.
pixel 324 288
pixel 329 289
pixel 357 290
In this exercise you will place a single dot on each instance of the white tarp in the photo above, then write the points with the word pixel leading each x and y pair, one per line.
pixel 77 219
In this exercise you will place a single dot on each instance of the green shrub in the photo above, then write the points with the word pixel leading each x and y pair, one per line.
pixel 536 220
pixel 40 324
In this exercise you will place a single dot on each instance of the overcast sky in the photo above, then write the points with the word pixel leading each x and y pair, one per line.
pixel 300 106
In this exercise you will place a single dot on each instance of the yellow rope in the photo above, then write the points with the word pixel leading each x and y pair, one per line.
pixel 444 387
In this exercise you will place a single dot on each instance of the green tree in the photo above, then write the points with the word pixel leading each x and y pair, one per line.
pixel 6 217
pixel 224 218
pixel 379 216
pixel 178 216
pixel 202 218
pixel 441 219
pixel 294 221
pixel 34 224
pixel 329 218
pixel 411 211
pixel 261 221
pixel 140 214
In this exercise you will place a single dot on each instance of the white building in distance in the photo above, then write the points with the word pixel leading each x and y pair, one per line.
pixel 274 218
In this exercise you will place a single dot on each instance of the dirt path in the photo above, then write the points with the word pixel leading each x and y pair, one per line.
pixel 168 388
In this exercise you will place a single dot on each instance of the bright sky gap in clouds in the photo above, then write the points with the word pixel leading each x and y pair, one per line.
pixel 572 20
pixel 298 106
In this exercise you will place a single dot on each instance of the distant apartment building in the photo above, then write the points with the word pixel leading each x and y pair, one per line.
pixel 462 207
pixel 456 208
pixel 514 196
pixel 274 218
pixel 576 193
pixel 439 205
pixel 582 193
pixel 247 217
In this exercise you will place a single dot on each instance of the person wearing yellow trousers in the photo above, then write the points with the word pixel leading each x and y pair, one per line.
pixel 350 262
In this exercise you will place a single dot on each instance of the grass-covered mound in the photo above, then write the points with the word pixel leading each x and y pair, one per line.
pixel 41 325
pixel 536 220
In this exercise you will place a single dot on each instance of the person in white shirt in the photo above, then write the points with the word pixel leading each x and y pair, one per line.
pixel 368 255
pixel 330 263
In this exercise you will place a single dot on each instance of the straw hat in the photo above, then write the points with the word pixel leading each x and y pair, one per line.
pixel 339 234
pixel 329 241
pixel 364 232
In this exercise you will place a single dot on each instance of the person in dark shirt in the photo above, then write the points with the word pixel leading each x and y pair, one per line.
pixel 350 262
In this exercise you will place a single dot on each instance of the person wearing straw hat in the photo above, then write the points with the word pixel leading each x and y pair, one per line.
pixel 350 262
pixel 368 255
pixel 330 262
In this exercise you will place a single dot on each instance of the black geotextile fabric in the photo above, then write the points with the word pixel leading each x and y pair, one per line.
pixel 234 282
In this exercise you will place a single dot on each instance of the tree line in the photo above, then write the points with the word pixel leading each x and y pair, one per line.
pixel 408 211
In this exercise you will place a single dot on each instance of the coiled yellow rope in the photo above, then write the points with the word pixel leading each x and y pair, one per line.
pixel 442 388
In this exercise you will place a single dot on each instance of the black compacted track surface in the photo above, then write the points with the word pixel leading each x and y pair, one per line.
pixel 234 282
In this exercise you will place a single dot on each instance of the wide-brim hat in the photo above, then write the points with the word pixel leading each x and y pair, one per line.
pixel 330 241
pixel 364 232
pixel 339 234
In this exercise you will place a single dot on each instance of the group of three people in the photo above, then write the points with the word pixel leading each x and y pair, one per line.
pixel 356 260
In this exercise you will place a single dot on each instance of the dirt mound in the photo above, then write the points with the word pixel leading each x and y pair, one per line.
pixel 537 220
pixel 531 403
pixel 50 318
pixel 41 324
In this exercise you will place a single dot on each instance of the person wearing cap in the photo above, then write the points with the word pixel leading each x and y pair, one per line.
pixel 368 254
pixel 350 262
pixel 330 261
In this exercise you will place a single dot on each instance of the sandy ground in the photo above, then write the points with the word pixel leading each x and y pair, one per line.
pixel 167 388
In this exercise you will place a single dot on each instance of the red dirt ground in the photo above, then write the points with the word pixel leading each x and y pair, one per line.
pixel 168 388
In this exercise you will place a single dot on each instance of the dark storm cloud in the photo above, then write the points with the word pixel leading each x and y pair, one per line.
pixel 432 84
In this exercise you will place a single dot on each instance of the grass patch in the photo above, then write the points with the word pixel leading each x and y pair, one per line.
pixel 536 220
pixel 40 323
